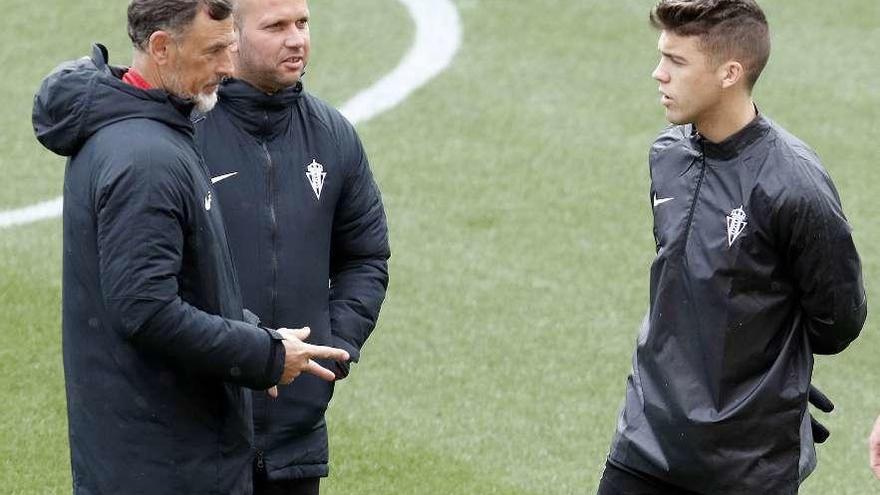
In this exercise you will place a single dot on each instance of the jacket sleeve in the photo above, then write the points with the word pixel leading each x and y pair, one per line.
pixel 359 253
pixel 141 229
pixel 823 261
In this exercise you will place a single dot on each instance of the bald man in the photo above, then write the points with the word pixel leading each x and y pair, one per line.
pixel 301 208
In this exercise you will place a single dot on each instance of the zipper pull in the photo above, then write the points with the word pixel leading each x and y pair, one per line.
pixel 261 465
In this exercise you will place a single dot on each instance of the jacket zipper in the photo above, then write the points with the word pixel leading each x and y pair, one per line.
pixel 687 229
pixel 274 225
pixel 261 464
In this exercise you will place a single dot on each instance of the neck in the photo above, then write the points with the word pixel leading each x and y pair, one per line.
pixel 258 84
pixel 147 69
pixel 727 118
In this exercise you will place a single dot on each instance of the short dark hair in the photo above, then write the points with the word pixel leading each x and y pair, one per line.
pixel 145 17
pixel 726 28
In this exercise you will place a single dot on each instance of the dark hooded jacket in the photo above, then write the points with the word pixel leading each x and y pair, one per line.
pixel 755 272
pixel 155 354
pixel 302 209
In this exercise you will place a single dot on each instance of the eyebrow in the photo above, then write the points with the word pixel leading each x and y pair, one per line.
pixel 282 19
pixel 220 45
pixel 672 56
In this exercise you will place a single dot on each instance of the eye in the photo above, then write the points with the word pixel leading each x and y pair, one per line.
pixel 673 60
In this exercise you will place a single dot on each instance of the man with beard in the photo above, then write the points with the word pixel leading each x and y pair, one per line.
pixel 301 208
pixel 755 272
pixel 155 347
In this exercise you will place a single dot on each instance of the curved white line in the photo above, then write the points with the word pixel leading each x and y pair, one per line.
pixel 33 213
pixel 438 38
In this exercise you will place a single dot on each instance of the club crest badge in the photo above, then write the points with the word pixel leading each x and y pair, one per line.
pixel 316 175
pixel 736 224
pixel 208 200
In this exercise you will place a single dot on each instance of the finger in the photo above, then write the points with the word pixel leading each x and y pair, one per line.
pixel 320 371
pixel 297 334
pixel 320 351
pixel 820 433
pixel 294 333
pixel 302 333
pixel 273 392
pixel 820 400
pixel 287 379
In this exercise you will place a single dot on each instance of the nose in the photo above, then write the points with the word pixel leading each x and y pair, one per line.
pixel 659 74
pixel 225 67
pixel 295 39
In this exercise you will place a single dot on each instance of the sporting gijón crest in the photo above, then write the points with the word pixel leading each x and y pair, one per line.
pixel 316 175
pixel 736 224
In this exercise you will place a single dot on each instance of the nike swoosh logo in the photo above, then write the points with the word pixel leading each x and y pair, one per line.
pixel 217 179
pixel 660 201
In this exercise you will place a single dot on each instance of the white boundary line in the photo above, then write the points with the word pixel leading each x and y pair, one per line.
pixel 33 213
pixel 438 38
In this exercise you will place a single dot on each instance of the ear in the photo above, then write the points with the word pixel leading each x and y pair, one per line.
pixel 159 47
pixel 237 35
pixel 731 73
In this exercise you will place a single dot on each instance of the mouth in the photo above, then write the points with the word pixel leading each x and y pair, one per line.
pixel 294 62
pixel 665 99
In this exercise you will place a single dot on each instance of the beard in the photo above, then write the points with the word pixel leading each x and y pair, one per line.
pixel 203 102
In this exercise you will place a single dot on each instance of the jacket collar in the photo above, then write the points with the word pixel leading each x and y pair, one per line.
pixel 734 145
pixel 258 113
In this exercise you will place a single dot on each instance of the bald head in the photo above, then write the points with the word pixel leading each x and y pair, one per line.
pixel 273 42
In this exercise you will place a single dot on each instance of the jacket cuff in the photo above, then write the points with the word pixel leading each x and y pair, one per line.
pixel 277 355
pixel 251 318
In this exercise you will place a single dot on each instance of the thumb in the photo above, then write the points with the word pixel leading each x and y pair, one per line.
pixel 302 333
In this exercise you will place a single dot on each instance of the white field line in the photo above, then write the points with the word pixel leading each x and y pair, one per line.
pixel 438 37
pixel 437 40
pixel 33 213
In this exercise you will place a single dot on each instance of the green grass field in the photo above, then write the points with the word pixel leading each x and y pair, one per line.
pixel 516 189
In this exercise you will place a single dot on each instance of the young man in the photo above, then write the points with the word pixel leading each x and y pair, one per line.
pixel 301 209
pixel 755 272
pixel 155 349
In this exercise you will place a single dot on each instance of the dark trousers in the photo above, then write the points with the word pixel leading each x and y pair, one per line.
pixel 305 486
pixel 617 481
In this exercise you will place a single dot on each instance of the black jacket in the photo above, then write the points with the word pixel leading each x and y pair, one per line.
pixel 154 352
pixel 755 272
pixel 303 209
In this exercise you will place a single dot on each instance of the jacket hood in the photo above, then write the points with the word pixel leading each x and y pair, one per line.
pixel 82 96
pixel 259 114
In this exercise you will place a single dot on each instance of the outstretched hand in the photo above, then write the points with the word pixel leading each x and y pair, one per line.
pixel 300 356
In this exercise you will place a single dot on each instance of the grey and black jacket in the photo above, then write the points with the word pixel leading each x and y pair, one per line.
pixel 755 272
pixel 308 233
pixel 155 352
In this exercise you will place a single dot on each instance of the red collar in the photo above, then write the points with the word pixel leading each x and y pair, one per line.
pixel 135 78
